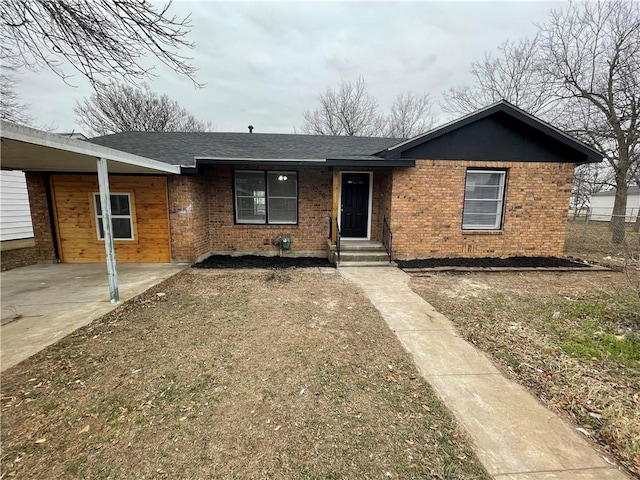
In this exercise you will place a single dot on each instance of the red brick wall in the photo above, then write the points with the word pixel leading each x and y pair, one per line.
pixel 189 216
pixel 309 236
pixel 427 206
pixel 424 204
pixel 40 216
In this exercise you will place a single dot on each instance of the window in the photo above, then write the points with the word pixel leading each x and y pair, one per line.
pixel 483 200
pixel 121 218
pixel 266 197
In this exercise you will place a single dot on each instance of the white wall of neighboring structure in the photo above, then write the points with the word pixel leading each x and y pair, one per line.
pixel 15 215
pixel 602 205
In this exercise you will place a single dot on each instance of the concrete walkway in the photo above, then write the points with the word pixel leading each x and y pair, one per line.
pixel 51 301
pixel 516 437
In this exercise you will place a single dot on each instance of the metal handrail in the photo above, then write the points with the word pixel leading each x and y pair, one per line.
pixel 387 237
pixel 337 240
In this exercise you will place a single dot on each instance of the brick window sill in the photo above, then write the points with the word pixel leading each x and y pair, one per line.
pixel 483 232
pixel 266 225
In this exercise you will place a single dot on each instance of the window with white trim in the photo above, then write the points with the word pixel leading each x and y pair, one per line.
pixel 266 197
pixel 484 199
pixel 121 217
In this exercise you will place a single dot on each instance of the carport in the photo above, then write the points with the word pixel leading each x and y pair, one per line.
pixel 42 303
pixel 33 150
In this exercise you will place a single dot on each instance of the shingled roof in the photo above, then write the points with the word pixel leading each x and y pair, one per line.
pixel 182 148
pixel 499 132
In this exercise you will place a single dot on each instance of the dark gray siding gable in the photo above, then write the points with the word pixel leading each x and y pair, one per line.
pixel 498 137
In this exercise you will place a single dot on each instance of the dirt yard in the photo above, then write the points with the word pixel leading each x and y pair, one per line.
pixel 231 374
pixel 572 338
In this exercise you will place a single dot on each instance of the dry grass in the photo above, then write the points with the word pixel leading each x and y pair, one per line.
pixel 229 374
pixel 594 242
pixel 572 338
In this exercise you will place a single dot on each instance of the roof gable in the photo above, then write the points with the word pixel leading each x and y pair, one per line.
pixel 500 132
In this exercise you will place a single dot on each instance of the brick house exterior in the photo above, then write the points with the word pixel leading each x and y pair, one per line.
pixel 495 183
pixel 39 202
pixel 536 198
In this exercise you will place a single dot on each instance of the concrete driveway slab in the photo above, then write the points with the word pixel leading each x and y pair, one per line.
pixel 515 436
pixel 50 301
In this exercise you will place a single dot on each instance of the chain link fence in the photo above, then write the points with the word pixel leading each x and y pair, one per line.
pixel 604 238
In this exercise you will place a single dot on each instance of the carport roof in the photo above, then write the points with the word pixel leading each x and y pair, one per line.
pixel 28 149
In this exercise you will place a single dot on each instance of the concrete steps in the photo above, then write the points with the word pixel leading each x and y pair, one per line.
pixel 367 264
pixel 363 253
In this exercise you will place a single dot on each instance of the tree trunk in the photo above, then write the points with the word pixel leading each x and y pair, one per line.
pixel 617 224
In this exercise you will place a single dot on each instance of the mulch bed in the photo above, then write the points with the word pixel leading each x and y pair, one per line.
pixel 510 262
pixel 256 261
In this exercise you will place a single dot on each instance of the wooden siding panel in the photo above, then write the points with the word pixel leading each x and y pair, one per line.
pixel 76 221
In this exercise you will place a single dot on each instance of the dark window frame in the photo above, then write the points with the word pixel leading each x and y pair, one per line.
pixel 266 221
pixel 503 198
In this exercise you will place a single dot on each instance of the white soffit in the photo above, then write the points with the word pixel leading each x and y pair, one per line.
pixel 29 149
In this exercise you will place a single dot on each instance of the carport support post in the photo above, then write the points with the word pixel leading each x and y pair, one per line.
pixel 105 203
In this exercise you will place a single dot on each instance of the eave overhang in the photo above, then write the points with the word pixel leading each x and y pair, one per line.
pixel 29 149
pixel 359 162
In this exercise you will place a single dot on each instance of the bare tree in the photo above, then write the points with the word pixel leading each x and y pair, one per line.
pixel 592 51
pixel 124 108
pixel 11 107
pixel 581 73
pixel 588 179
pixel 102 39
pixel 513 75
pixel 411 114
pixel 351 110
pixel 348 110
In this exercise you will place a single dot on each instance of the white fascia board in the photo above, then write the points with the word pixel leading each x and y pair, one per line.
pixel 51 140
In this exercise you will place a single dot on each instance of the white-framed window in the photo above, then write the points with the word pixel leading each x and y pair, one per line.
pixel 266 197
pixel 484 199
pixel 121 216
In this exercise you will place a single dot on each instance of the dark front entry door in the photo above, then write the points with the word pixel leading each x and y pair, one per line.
pixel 355 205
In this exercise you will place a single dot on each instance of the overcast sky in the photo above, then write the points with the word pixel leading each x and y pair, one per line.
pixel 265 63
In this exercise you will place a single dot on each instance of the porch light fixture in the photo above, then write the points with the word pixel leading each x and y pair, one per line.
pixel 282 178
